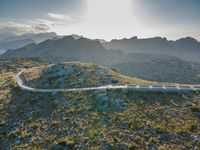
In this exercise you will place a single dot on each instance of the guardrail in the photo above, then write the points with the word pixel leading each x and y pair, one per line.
pixel 146 88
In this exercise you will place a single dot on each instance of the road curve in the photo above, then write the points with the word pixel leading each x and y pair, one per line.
pixel 147 88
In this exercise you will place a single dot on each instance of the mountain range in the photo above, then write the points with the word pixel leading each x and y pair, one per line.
pixel 150 66
pixel 187 48
pixel 66 49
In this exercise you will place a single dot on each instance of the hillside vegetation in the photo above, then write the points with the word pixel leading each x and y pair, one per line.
pixel 108 119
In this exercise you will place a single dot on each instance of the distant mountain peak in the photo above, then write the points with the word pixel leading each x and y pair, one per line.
pixel 134 37
pixel 187 39
pixel 69 37
pixel 75 36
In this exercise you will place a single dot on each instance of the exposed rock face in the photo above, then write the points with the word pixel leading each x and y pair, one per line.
pixel 61 70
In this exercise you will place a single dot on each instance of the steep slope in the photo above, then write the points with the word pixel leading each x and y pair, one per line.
pixel 161 67
pixel 187 48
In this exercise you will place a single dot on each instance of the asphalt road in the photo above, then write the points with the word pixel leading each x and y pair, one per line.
pixel 147 88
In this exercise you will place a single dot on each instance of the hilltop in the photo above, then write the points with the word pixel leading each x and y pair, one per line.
pixel 74 75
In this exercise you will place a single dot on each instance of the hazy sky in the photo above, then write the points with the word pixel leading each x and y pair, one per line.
pixel 103 18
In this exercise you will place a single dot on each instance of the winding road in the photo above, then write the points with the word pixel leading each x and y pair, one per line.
pixel 147 88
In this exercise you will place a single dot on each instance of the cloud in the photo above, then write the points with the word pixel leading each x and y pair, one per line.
pixel 40 27
pixel 50 23
pixel 58 16
pixel 70 18
pixel 62 23
pixel 26 27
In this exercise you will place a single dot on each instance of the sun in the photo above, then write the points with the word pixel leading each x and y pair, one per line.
pixel 108 18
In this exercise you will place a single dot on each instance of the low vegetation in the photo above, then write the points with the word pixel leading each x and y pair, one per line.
pixel 109 119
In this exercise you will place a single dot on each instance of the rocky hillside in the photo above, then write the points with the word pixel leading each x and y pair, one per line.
pixel 111 119
pixel 75 74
